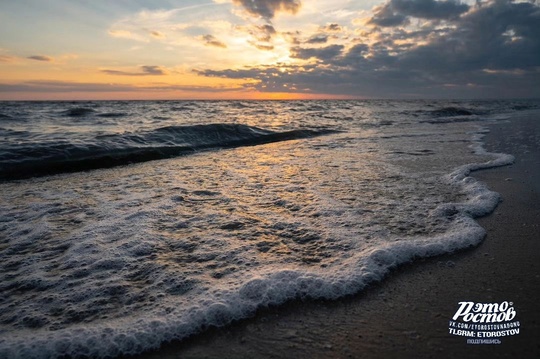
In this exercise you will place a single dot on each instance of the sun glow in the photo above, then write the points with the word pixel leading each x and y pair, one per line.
pixel 234 49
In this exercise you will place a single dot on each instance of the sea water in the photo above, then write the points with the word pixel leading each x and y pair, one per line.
pixel 124 225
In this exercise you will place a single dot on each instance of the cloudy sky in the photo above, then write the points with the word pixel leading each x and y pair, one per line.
pixel 258 49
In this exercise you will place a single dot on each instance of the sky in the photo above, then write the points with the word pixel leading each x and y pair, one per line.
pixel 268 49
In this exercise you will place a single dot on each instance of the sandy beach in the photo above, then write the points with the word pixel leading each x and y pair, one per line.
pixel 407 315
pixel 270 179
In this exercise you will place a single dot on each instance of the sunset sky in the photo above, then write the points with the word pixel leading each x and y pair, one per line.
pixel 268 49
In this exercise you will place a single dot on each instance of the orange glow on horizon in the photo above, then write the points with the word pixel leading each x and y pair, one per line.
pixel 299 96
pixel 165 95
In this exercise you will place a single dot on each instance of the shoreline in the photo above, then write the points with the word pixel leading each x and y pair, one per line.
pixel 406 315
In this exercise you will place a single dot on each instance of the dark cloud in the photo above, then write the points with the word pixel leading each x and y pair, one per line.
pixel 317 39
pixel 145 71
pixel 386 16
pixel 323 53
pixel 397 12
pixel 430 9
pixel 262 46
pixel 268 8
pixel 211 40
pixel 153 70
pixel 262 35
pixel 358 50
pixel 271 78
pixel 500 35
pixel 267 29
pixel 157 34
pixel 491 50
pixel 332 28
pixel 40 58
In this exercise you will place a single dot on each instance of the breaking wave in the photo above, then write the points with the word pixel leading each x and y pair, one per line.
pixel 112 150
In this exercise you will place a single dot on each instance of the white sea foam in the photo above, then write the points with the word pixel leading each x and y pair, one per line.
pixel 119 261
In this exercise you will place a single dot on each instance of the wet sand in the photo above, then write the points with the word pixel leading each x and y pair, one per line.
pixel 407 315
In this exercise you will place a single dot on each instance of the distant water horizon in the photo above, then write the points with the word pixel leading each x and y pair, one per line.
pixel 126 224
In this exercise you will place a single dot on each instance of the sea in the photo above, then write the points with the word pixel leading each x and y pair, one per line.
pixel 128 224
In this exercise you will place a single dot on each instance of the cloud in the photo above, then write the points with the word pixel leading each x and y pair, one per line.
pixel 291 37
pixel 7 58
pixel 157 34
pixel 491 49
pixel 61 86
pixel 145 71
pixel 58 60
pixel 397 12
pixel 210 40
pixel 154 70
pixel 430 9
pixel 262 46
pixel 496 35
pixel 263 32
pixel 324 53
pixel 262 35
pixel 317 39
pixel 267 9
pixel 41 58
pixel 333 27
pixel 70 87
pixel 386 16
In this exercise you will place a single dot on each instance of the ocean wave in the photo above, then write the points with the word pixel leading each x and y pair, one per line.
pixel 79 111
pixel 132 335
pixel 9 132
pixel 110 264
pixel 181 108
pixel 120 149
pixel 525 106
pixel 112 114
pixel 240 105
pixel 452 111
pixel 450 114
